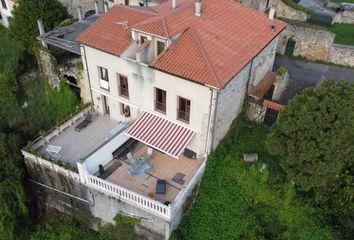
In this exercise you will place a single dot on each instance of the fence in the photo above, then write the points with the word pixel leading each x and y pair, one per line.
pixel 129 196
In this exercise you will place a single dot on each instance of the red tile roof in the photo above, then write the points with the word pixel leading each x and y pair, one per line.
pixel 210 49
pixel 273 105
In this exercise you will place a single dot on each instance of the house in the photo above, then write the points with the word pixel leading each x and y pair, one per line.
pixel 189 63
pixel 6 7
pixel 166 83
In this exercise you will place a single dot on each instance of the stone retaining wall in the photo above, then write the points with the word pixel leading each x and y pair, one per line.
pixel 285 11
pixel 311 43
pixel 342 54
pixel 344 17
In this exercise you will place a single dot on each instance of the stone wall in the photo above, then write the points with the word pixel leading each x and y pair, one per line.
pixel 256 112
pixel 260 5
pixel 73 67
pixel 311 43
pixel 342 54
pixel 47 64
pixel 281 84
pixel 344 17
pixel 71 6
pixel 285 11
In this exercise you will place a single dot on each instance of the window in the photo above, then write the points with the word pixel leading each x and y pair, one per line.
pixel 160 100
pixel 160 46
pixel 142 39
pixel 123 86
pixel 3 3
pixel 184 108
pixel 124 110
pixel 103 75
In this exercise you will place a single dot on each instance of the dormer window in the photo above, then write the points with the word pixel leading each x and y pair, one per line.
pixel 160 46
pixel 142 39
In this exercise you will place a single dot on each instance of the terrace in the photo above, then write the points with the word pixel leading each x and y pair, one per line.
pixel 76 145
pixel 161 166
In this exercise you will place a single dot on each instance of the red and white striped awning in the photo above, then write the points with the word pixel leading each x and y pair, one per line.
pixel 160 133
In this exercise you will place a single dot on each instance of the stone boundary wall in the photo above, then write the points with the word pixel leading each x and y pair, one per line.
pixel 342 54
pixel 71 6
pixel 285 11
pixel 344 17
pixel 311 43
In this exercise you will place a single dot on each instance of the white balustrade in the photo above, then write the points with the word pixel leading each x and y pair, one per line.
pixel 128 196
pixel 185 192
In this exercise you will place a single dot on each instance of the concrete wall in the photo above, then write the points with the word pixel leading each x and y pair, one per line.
pixel 104 154
pixel 342 54
pixel 311 43
pixel 6 13
pixel 142 81
pixel 285 11
pixel 230 98
pixel 102 208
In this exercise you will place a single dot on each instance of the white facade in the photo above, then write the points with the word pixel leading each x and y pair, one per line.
pixel 6 7
pixel 212 110
pixel 142 82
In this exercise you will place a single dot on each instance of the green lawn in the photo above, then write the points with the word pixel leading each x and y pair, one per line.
pixel 8 48
pixel 341 1
pixel 344 33
pixel 237 201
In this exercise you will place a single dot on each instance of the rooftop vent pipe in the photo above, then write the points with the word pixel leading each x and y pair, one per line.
pixel 198 8
pixel 79 13
pixel 174 4
pixel 271 13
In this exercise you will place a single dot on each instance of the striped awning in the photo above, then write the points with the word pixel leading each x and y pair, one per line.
pixel 160 133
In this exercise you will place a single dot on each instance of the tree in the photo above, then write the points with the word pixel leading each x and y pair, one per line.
pixel 23 25
pixel 314 135
pixel 314 139
pixel 12 195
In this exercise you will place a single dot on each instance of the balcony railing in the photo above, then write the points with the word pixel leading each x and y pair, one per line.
pixel 183 115
pixel 104 84
pixel 124 92
pixel 160 106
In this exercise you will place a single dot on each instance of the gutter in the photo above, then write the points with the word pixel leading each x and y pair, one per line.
pixel 88 75
pixel 212 113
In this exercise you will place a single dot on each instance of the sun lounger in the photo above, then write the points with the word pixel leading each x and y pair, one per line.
pixel 84 123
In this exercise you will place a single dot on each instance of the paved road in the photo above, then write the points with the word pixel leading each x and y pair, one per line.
pixel 317 6
pixel 305 74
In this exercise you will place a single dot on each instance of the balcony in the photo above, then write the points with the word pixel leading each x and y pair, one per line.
pixel 104 84
pixel 183 115
pixel 160 106
pixel 123 92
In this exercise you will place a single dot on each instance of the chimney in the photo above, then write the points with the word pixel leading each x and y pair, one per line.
pixel 79 13
pixel 105 5
pixel 271 13
pixel 174 4
pixel 198 8
pixel 96 7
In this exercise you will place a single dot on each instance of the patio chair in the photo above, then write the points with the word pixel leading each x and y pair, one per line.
pixel 54 151
pixel 84 123
pixel 161 186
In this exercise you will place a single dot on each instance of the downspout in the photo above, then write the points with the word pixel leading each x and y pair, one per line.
pixel 88 76
pixel 212 112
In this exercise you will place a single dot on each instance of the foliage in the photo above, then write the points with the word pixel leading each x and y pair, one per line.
pixel 12 195
pixel 238 201
pixel 8 48
pixel 314 135
pixel 281 71
pixel 296 6
pixel 344 33
pixel 314 139
pixel 23 25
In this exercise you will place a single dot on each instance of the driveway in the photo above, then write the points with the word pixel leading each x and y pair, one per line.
pixel 307 74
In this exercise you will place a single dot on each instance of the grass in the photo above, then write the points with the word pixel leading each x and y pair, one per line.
pixel 8 48
pixel 238 201
pixel 344 33
pixel 341 1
